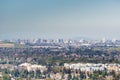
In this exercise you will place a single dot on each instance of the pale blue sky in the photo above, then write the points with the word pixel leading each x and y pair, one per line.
pixel 59 19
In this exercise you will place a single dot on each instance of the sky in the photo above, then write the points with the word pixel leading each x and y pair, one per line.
pixel 59 19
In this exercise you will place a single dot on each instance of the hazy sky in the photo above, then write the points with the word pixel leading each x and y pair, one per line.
pixel 59 19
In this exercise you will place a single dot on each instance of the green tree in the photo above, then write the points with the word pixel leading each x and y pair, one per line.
pixel 69 76
pixel 19 78
pixel 24 73
pixel 104 73
pixel 6 77
pixel 38 73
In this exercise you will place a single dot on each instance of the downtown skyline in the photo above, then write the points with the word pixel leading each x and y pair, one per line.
pixel 93 19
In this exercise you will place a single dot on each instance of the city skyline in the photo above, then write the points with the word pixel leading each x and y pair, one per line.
pixel 59 19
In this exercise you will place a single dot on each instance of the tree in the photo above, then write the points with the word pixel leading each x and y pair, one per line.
pixel 31 74
pixel 38 72
pixel 95 75
pixel 6 77
pixel 104 73
pixel 19 78
pixel 24 73
pixel 16 73
pixel 69 76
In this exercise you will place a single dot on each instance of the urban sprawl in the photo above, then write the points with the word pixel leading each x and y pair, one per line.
pixel 59 59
